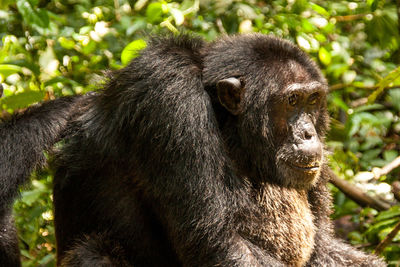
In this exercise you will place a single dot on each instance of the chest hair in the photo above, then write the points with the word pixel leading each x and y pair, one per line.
pixel 285 227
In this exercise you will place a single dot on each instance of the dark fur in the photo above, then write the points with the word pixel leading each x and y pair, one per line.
pixel 23 137
pixel 157 173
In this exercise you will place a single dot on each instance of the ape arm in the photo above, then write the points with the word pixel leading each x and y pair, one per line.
pixel 330 251
pixel 23 139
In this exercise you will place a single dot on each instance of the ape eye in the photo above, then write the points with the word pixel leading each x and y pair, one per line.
pixel 313 99
pixel 293 99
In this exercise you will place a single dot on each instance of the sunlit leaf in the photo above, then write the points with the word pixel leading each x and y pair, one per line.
pixel 373 4
pixel 319 9
pixel 66 43
pixel 303 43
pixel 132 50
pixel 21 100
pixel 8 69
pixel 324 56
pixel 177 15
pixel 392 77
pixel 140 4
pixel 154 12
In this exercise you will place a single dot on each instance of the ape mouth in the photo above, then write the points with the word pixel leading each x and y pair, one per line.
pixel 312 167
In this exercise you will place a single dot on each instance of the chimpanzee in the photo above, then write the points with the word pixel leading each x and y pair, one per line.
pixel 195 154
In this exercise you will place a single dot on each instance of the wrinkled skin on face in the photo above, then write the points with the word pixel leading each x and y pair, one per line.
pixel 277 107
pixel 294 129
pixel 299 156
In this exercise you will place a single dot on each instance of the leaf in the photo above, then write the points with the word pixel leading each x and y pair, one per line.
pixel 132 50
pixel 307 26
pixel 303 43
pixel 140 4
pixel 380 225
pixel 368 107
pixel 338 101
pixel 324 56
pixel 33 66
pixel 299 6
pixel 90 47
pixel 21 100
pixel 390 155
pixel 370 154
pixel 388 214
pixel 66 43
pixel 383 28
pixel 371 142
pixel 383 234
pixel 349 76
pixel 46 260
pixel 385 82
pixel 177 15
pixel 8 69
pixel 48 63
pixel 355 237
pixel 28 197
pixel 154 13
pixel 373 4
pixel 138 24
pixel 37 17
pixel 394 97
pixel 44 20
pixel 319 9
pixel 60 79
pixel 4 4
pixel 34 2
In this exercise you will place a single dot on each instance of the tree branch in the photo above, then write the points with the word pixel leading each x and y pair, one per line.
pixel 388 239
pixel 339 86
pixel 349 17
pixel 378 172
pixel 356 194
pixel 220 26
pixel 396 190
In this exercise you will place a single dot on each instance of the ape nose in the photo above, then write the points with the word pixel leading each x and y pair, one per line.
pixel 307 145
pixel 310 150
pixel 309 132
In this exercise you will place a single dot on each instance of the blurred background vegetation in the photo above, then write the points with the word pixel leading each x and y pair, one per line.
pixel 53 48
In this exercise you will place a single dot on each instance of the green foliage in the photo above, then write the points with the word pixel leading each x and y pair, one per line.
pixel 35 221
pixel 131 51
pixel 60 47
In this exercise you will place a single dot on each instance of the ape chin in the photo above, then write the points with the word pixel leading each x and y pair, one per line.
pixel 294 177
pixel 291 174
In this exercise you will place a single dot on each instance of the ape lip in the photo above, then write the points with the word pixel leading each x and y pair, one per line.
pixel 309 168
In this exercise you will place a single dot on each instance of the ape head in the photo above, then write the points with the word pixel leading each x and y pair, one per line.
pixel 270 102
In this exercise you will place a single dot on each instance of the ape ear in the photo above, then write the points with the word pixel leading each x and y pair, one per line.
pixel 230 94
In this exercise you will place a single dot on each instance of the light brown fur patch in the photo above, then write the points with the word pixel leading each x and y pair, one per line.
pixel 285 229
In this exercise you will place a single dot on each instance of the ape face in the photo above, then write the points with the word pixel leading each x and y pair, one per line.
pixel 298 148
pixel 277 97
